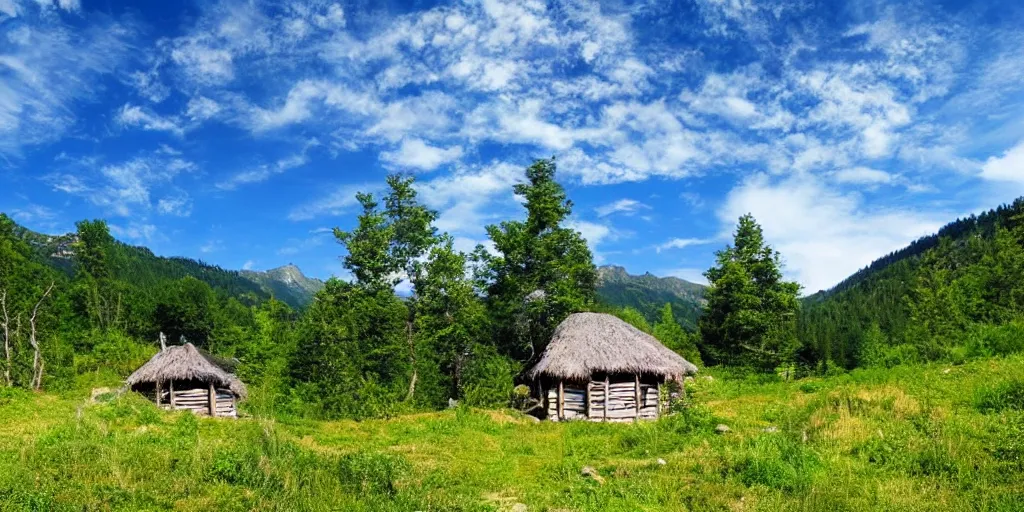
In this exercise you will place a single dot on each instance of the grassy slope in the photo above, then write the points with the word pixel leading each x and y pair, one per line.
pixel 911 438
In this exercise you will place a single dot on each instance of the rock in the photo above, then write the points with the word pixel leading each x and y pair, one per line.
pixel 590 472
pixel 519 507
pixel 452 403
pixel 770 430
pixel 722 429
pixel 946 371
pixel 661 462
pixel 531 418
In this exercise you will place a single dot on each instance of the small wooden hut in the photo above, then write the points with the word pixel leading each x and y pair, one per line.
pixel 599 368
pixel 183 377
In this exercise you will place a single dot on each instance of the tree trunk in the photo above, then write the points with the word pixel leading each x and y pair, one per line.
pixel 7 338
pixel 37 356
pixel 412 358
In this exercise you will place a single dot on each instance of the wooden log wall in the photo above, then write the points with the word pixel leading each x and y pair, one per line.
pixel 198 401
pixel 601 400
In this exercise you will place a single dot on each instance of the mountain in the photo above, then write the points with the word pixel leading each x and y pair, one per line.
pixel 287 284
pixel 139 266
pixel 649 294
pixel 944 296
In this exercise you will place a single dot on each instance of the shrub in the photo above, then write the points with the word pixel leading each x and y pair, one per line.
pixel 1005 395
pixel 995 340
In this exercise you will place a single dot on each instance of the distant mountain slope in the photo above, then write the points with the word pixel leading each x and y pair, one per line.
pixel 139 266
pixel 955 278
pixel 287 284
pixel 649 294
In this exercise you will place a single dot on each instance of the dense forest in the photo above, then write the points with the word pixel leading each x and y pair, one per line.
pixel 84 309
pixel 951 296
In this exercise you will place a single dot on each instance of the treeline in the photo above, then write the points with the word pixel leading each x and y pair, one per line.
pixel 472 322
pixel 952 296
pixel 469 326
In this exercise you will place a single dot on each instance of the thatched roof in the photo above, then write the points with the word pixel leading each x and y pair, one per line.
pixel 588 343
pixel 184 362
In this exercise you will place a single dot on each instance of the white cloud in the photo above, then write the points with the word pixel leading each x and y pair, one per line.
pixel 248 265
pixel 341 200
pixel 594 233
pixel 202 108
pixel 416 154
pixel 469 199
pixel 862 176
pixel 179 205
pixel 138 232
pixel 264 172
pixel 48 68
pixel 125 189
pixel 212 246
pixel 1007 168
pixel 134 115
pixel 824 235
pixel 33 213
pixel 681 243
pixel 626 206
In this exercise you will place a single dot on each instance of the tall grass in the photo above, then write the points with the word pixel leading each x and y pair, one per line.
pixel 909 438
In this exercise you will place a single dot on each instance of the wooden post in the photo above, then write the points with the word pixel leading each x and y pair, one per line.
pixel 636 389
pixel 561 400
pixel 158 392
pixel 607 396
pixel 657 393
pixel 586 403
pixel 213 401
pixel 171 388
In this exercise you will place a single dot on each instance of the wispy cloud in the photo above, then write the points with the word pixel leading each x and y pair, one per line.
pixel 624 206
pixel 681 243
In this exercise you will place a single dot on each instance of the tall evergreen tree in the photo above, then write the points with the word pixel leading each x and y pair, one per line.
pixel 542 272
pixel 672 335
pixel 750 316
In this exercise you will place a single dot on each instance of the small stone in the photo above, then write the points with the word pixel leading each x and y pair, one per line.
pixel 452 403
pixel 661 462
pixel 770 430
pixel 946 371
pixel 533 419
pixel 722 429
pixel 589 471
pixel 519 507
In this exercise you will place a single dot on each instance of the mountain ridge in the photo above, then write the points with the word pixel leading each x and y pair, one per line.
pixel 648 294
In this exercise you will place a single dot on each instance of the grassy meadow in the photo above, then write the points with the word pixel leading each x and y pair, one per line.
pixel 934 437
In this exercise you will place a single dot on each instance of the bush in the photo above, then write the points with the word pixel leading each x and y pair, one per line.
pixel 995 340
pixel 488 381
pixel 1006 395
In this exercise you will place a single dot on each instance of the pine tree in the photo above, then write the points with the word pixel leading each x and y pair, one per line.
pixel 673 336
pixel 543 271
pixel 750 316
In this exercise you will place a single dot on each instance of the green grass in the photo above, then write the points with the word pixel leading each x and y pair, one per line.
pixel 931 437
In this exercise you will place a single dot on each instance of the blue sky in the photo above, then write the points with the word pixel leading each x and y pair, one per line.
pixel 238 132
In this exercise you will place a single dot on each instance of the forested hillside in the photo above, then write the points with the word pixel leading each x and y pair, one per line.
pixel 950 296
pixel 648 294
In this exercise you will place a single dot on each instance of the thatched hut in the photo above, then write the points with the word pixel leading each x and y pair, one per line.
pixel 183 377
pixel 600 368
